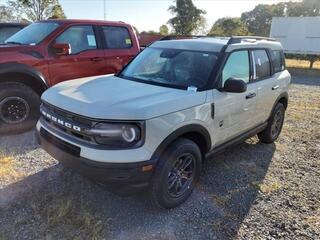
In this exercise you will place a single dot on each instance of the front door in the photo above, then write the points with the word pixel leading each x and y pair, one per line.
pixel 85 59
pixel 234 112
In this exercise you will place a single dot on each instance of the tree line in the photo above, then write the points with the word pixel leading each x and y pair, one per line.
pixel 30 10
pixel 187 18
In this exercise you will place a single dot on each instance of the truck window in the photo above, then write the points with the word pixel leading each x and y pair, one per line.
pixel 278 60
pixel 117 37
pixel 80 38
pixel 237 66
pixel 261 64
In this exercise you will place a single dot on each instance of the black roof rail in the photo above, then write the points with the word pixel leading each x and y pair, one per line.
pixel 177 37
pixel 238 39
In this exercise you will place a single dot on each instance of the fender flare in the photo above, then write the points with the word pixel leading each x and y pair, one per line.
pixel 178 133
pixel 25 69
pixel 282 95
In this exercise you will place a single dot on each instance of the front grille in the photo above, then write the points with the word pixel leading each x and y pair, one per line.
pixel 73 125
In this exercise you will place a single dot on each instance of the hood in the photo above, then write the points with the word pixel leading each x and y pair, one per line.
pixel 114 98
pixel 13 52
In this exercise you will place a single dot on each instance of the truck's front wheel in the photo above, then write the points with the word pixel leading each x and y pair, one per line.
pixel 176 174
pixel 19 108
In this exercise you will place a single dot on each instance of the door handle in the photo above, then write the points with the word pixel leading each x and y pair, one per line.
pixel 251 95
pixel 96 59
pixel 275 87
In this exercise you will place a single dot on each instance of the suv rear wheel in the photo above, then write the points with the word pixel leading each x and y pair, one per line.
pixel 19 108
pixel 274 127
pixel 177 173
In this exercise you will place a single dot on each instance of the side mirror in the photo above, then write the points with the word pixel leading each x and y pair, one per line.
pixel 61 49
pixel 235 86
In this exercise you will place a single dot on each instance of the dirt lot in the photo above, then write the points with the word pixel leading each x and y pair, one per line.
pixel 251 191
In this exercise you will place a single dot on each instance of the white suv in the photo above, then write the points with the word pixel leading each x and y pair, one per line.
pixel 153 124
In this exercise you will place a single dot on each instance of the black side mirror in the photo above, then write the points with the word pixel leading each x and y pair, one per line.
pixel 235 86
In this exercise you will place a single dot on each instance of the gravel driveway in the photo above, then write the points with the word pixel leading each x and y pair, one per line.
pixel 250 191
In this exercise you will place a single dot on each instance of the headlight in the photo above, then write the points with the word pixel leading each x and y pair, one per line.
pixel 118 135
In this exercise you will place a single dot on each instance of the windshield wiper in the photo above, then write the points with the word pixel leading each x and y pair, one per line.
pixel 12 42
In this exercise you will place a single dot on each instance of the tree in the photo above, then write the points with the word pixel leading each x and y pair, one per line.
pixel 57 12
pixel 203 27
pixel 6 14
pixel 258 20
pixel 229 27
pixel 187 17
pixel 306 8
pixel 35 10
pixel 164 30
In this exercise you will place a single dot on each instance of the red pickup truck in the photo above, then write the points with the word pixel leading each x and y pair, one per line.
pixel 48 52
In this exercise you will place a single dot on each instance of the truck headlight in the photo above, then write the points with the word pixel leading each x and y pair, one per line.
pixel 118 135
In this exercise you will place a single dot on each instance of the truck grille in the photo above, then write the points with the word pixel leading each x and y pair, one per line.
pixel 66 122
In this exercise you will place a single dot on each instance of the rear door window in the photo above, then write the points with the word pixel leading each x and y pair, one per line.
pixel 278 60
pixel 117 37
pixel 80 38
pixel 261 68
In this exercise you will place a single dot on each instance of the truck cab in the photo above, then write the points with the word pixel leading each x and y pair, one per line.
pixel 49 52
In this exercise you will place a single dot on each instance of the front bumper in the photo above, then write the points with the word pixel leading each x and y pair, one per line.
pixel 125 175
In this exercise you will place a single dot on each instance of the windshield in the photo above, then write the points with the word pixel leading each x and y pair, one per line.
pixel 171 67
pixel 33 34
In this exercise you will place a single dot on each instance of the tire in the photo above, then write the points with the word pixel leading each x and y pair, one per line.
pixel 169 172
pixel 274 127
pixel 19 108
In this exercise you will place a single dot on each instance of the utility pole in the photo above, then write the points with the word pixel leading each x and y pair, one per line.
pixel 104 10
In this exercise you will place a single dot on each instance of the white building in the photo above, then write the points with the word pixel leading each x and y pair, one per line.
pixel 300 35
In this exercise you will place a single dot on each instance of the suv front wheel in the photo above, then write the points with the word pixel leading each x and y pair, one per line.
pixel 274 127
pixel 19 108
pixel 177 173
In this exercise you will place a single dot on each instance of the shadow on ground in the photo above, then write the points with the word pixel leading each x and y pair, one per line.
pixel 310 81
pixel 59 204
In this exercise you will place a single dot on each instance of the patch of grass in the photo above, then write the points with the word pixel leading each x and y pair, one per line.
pixel 313 221
pixel 301 64
pixel 7 169
pixel 267 187
pixel 68 214
pixel 221 200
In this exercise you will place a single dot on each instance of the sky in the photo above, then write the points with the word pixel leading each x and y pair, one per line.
pixel 151 14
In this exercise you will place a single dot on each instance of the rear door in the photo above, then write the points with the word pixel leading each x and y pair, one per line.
pixel 267 82
pixel 234 111
pixel 86 58
pixel 118 47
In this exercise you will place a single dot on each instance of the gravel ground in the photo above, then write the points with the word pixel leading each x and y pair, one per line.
pixel 250 191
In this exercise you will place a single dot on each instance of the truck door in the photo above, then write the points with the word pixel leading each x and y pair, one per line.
pixel 120 48
pixel 267 83
pixel 85 59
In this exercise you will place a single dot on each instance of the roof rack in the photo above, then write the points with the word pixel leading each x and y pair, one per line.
pixel 177 37
pixel 238 39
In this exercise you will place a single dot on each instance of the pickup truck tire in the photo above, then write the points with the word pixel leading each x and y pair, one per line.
pixel 19 108
pixel 274 127
pixel 176 174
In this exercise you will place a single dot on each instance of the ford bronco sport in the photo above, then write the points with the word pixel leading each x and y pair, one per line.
pixel 49 52
pixel 175 104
